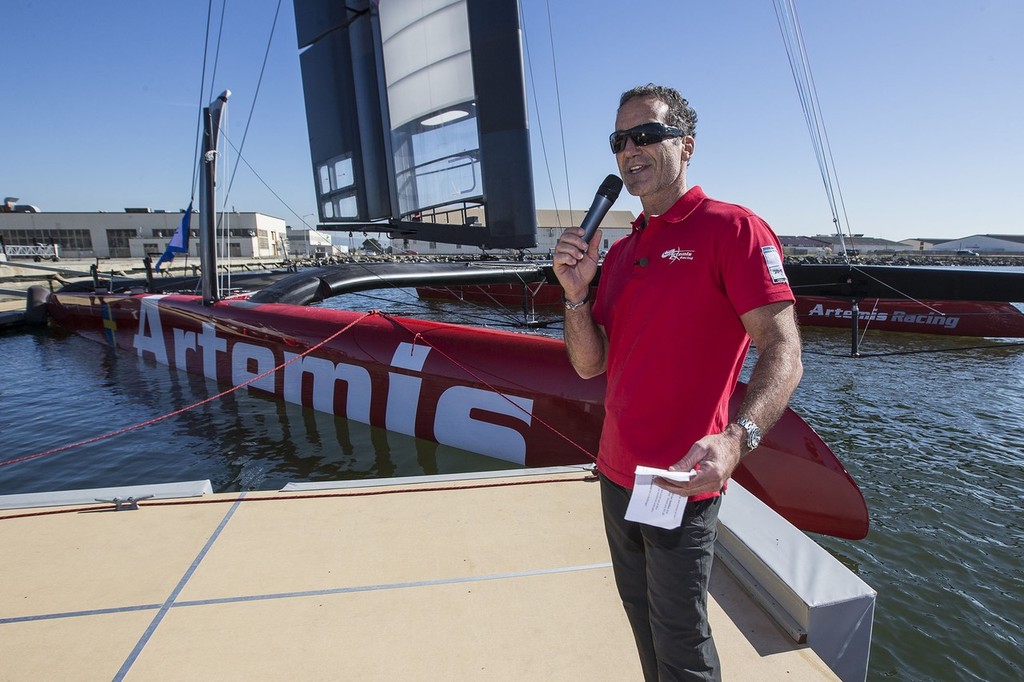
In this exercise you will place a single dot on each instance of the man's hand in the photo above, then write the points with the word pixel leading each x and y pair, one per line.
pixel 575 262
pixel 714 457
pixel 575 266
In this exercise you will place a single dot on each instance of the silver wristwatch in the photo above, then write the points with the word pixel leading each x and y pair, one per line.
pixel 753 432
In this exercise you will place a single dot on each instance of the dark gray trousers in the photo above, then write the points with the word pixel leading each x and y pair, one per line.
pixel 662 577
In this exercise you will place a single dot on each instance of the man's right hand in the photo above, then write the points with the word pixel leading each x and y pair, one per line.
pixel 575 262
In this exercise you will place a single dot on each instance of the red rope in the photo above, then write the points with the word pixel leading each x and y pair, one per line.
pixel 194 405
pixel 416 336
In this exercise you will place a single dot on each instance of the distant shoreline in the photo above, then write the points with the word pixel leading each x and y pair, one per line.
pixel 903 258
pixel 126 265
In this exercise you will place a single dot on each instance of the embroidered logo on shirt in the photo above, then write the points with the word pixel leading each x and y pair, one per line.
pixel 774 263
pixel 678 254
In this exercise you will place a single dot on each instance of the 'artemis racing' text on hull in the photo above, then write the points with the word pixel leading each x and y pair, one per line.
pixel 956 318
pixel 897 316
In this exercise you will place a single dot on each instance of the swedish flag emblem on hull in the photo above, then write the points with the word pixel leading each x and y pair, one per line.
pixel 109 324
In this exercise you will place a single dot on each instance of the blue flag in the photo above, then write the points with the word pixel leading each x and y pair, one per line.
pixel 179 242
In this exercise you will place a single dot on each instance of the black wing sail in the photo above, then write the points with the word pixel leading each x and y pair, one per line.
pixel 417 119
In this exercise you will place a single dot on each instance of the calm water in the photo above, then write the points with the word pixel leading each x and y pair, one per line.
pixel 932 430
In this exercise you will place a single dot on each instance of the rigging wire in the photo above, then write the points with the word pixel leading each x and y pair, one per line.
pixel 902 294
pixel 558 102
pixel 803 79
pixel 871 316
pixel 223 228
pixel 256 94
pixel 796 51
pixel 252 106
pixel 216 57
pixel 199 118
pixel 240 157
pixel 540 126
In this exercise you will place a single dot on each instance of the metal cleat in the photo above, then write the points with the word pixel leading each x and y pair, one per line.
pixel 125 504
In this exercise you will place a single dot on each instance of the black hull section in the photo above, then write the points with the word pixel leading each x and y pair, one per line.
pixel 856 282
pixel 311 286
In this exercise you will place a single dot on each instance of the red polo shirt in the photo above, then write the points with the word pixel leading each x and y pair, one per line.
pixel 670 299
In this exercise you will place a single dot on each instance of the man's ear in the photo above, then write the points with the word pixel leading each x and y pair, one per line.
pixel 688 145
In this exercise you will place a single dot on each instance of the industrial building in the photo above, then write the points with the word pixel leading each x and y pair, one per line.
pixel 140 232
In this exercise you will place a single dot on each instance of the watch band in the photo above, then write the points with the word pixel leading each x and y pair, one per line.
pixel 753 432
pixel 574 306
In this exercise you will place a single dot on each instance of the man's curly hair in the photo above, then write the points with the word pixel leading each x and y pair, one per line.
pixel 680 113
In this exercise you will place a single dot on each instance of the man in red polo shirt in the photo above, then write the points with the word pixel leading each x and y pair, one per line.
pixel 679 302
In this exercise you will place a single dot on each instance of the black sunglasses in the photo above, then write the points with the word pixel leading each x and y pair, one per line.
pixel 645 134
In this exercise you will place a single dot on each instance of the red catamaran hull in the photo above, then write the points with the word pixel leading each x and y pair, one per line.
pixel 501 394
pixel 948 318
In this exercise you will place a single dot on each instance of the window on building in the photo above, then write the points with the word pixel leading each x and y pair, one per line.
pixel 67 240
pixel 119 242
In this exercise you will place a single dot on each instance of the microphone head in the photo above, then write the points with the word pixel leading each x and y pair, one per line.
pixel 610 188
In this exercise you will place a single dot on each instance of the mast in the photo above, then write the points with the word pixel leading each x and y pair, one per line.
pixel 208 198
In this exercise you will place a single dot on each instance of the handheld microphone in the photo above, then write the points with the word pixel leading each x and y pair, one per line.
pixel 606 195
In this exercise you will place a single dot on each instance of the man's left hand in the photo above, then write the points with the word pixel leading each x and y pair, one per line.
pixel 714 457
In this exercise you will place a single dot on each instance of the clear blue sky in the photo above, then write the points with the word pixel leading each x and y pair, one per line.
pixel 923 102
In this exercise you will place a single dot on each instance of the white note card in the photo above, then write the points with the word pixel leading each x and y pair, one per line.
pixel 653 505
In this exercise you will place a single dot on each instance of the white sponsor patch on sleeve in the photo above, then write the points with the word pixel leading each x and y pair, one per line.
pixel 773 261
